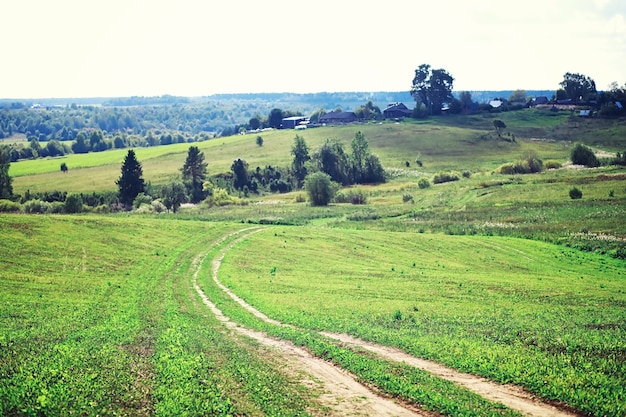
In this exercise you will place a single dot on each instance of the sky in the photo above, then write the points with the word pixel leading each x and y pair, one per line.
pixel 119 48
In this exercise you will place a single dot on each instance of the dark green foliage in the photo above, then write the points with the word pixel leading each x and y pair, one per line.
pixel 241 179
pixel 575 193
pixel 620 159
pixel 131 182
pixel 320 188
pixel 300 152
pixel 174 195
pixel 64 168
pixel 432 88
pixel 578 87
pixel 333 160
pixel 259 141
pixel 583 155
pixel 351 196
pixel 194 173
pixel 73 204
pixel 8 206
pixel 368 111
pixel 6 182
pixel 423 183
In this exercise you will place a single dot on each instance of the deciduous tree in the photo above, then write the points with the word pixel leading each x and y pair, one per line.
pixel 300 152
pixel 432 87
pixel 578 87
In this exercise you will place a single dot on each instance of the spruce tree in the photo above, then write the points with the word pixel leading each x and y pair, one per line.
pixel 130 183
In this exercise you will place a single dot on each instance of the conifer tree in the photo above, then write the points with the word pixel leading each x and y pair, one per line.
pixel 130 183
pixel 194 173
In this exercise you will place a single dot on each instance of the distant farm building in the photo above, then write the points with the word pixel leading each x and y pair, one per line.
pixel 396 111
pixel 338 117
pixel 294 122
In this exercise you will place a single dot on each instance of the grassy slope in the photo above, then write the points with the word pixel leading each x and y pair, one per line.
pixel 99 318
pixel 444 143
pixel 534 314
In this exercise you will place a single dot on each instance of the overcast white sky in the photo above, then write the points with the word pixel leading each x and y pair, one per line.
pixel 87 48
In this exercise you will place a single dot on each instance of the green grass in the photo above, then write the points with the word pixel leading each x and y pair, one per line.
pixel 541 316
pixel 99 318
pixel 441 147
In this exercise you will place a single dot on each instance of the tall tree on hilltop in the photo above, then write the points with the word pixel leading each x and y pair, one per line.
pixel 578 87
pixel 432 87
pixel 6 187
pixel 131 182
pixel 194 173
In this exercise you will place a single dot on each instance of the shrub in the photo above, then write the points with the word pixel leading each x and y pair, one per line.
pixel 8 206
pixel 320 188
pixel 423 183
pixel 583 155
pixel 158 207
pixel 141 198
pixel 73 204
pixel 445 177
pixel 467 174
pixel 407 198
pixel 37 207
pixel 352 196
pixel 575 193
pixel 552 164
pixel 300 198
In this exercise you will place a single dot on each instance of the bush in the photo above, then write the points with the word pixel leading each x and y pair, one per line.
pixel 445 177
pixel 73 204
pixel 423 183
pixel 8 206
pixel 320 188
pixel 352 197
pixel 467 174
pixel 552 164
pixel 525 166
pixel 37 207
pixel 407 198
pixel 300 198
pixel 141 198
pixel 575 193
pixel 583 155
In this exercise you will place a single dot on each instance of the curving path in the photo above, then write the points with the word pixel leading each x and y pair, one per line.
pixel 513 397
pixel 343 395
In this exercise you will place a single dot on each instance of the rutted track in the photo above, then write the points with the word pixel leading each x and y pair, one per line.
pixel 343 395
pixel 513 397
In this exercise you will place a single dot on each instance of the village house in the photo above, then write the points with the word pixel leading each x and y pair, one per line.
pixel 338 117
pixel 397 111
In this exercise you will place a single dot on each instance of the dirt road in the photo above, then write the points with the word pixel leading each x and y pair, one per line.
pixel 513 397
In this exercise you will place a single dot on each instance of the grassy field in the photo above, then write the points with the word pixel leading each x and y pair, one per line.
pixel 98 318
pixel 463 143
pixel 537 315
pixel 503 276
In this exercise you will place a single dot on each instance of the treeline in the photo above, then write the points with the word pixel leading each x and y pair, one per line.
pixel 338 167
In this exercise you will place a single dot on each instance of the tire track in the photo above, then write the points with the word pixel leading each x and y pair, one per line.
pixel 513 397
pixel 343 395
